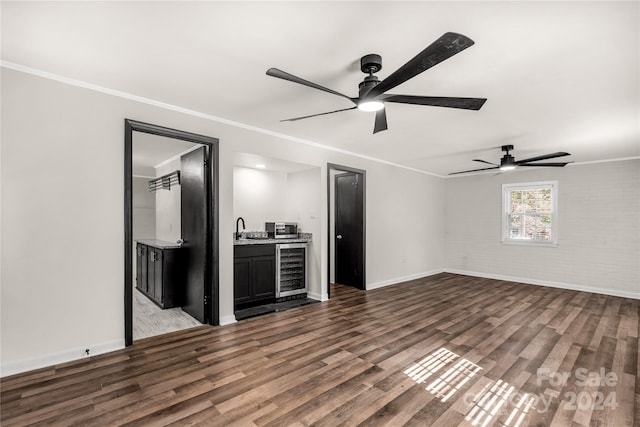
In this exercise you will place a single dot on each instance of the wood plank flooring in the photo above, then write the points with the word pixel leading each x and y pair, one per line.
pixel 445 350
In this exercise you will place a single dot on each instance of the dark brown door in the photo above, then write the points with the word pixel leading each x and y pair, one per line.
pixel 194 217
pixel 349 230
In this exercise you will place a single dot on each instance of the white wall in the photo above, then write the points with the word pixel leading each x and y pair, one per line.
pixel 73 298
pixel 259 196
pixel 598 229
pixel 62 222
pixel 143 214
pixel 144 210
pixel 405 225
pixel 168 206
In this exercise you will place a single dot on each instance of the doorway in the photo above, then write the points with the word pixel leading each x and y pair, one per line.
pixel 346 188
pixel 203 180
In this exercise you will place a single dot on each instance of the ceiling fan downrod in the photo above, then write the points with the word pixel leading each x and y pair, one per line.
pixel 369 64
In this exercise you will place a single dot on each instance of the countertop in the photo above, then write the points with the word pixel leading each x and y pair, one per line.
pixel 302 238
pixel 160 244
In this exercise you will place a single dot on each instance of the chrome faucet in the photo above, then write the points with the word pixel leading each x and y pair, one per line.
pixel 237 222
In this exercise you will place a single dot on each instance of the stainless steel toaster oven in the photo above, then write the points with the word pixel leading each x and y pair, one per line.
pixel 281 230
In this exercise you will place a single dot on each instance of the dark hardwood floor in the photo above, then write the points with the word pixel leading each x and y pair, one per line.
pixel 445 350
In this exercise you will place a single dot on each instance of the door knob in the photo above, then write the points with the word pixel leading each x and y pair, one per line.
pixel 339 237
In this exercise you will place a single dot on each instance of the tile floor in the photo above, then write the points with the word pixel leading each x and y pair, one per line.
pixel 150 320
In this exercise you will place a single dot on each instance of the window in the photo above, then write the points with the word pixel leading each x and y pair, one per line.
pixel 529 213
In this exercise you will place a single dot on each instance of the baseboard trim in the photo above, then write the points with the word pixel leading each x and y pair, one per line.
pixel 317 297
pixel 538 282
pixel 397 280
pixel 228 320
pixel 18 367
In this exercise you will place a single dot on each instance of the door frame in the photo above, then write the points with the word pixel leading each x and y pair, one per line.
pixel 362 175
pixel 212 309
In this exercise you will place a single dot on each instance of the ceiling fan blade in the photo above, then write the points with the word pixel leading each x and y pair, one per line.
pixel 437 101
pixel 443 48
pixel 274 72
pixel 475 170
pixel 319 114
pixel 381 121
pixel 484 161
pixel 556 165
pixel 543 157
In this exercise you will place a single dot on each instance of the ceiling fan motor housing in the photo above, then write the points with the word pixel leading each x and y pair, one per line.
pixel 366 85
pixel 507 161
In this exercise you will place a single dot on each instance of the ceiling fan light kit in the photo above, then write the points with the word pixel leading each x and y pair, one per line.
pixel 372 94
pixel 370 106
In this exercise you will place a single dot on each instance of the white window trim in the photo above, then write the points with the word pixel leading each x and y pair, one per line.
pixel 554 216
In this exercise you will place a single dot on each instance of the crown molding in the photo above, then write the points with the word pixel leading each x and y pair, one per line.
pixel 187 111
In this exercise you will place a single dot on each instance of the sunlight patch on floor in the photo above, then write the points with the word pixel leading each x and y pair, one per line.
pixel 431 364
pixel 452 380
pixel 449 383
pixel 499 398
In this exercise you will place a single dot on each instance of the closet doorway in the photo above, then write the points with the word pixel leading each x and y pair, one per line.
pixel 346 187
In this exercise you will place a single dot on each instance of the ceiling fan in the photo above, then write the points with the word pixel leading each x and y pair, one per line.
pixel 372 96
pixel 507 162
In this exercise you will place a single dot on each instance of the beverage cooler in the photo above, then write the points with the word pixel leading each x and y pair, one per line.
pixel 291 270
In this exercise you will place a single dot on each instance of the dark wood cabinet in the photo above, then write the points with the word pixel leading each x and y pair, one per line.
pixel 241 280
pixel 159 274
pixel 264 276
pixel 141 267
pixel 254 275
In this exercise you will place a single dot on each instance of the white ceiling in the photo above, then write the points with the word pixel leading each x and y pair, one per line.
pixel 255 161
pixel 559 76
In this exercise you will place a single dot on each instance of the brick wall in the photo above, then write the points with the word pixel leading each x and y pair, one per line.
pixel 598 229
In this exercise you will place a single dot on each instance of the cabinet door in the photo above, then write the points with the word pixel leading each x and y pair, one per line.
pixel 157 276
pixel 151 270
pixel 264 277
pixel 141 267
pixel 172 279
pixel 241 280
